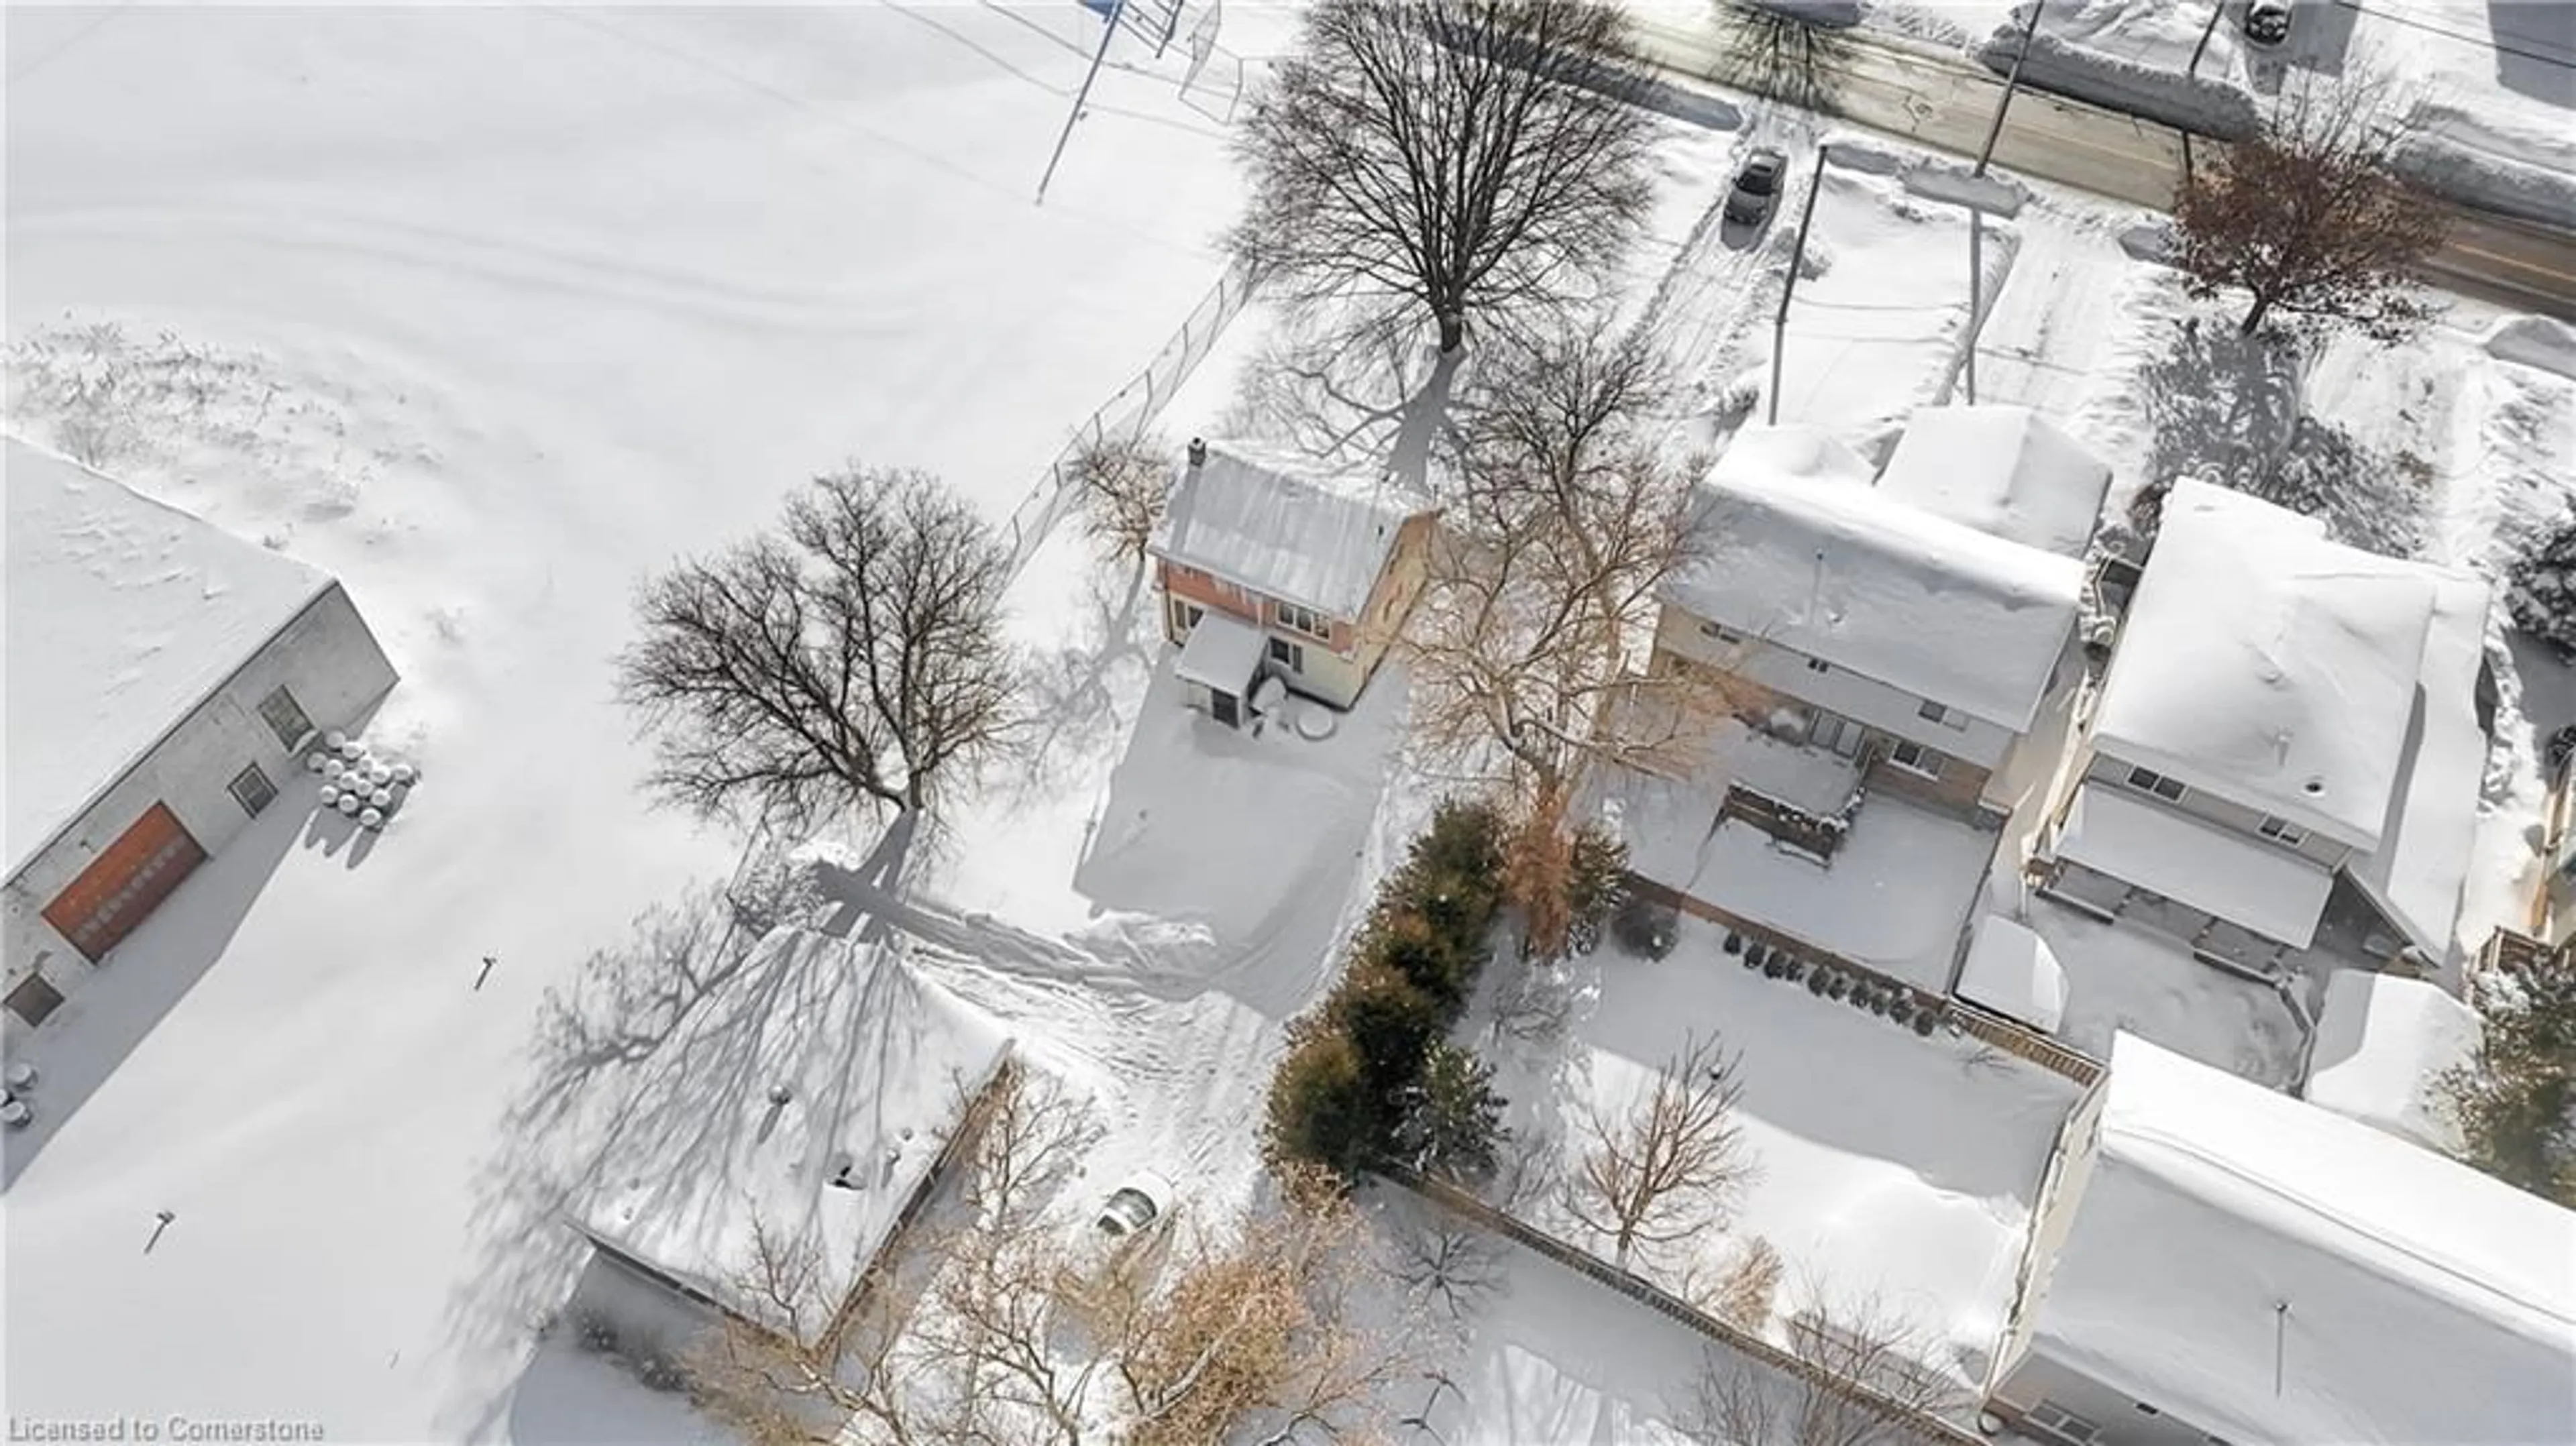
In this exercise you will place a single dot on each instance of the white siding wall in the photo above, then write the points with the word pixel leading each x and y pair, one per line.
pixel 1864 699
pixel 326 657
pixel 2039 1378
pixel 2209 807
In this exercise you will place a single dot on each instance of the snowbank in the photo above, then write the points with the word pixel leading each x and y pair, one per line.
pixel 2535 341
pixel 2133 55
pixel 2383 1045
pixel 2011 971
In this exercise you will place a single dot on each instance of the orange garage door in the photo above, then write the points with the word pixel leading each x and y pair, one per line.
pixel 119 890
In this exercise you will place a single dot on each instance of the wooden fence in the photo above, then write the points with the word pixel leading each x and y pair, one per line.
pixel 1813 833
pixel 1927 1429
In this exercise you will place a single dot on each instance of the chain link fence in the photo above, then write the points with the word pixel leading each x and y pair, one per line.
pixel 1127 414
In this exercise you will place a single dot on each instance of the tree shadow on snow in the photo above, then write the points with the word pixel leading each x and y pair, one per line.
pixel 2225 408
pixel 1074 691
pixel 628 1055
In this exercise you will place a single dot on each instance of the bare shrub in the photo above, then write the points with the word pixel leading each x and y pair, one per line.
pixel 1743 1293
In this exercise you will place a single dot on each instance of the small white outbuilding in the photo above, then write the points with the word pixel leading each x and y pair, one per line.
pixel 163 677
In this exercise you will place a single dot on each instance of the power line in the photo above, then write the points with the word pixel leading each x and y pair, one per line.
pixel 2465 37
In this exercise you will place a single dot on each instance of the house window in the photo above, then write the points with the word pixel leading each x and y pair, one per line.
pixel 1185 616
pixel 2147 780
pixel 1947 717
pixel 2281 831
pixel 2065 1425
pixel 1288 655
pixel 253 791
pixel 1819 665
pixel 1302 620
pixel 1914 758
pixel 285 717
pixel 35 997
pixel 1723 635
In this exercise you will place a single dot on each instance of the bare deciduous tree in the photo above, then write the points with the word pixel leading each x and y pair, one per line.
pixel 2311 217
pixel 1446 159
pixel 1258 1338
pixel 1870 1385
pixel 1566 523
pixel 855 657
pixel 1120 485
pixel 1663 1170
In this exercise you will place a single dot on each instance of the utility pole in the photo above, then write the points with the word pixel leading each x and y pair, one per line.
pixel 2191 72
pixel 1976 293
pixel 1789 287
pixel 1107 32
pixel 2012 83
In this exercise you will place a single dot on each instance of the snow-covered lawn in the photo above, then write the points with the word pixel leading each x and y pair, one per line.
pixel 496 310
pixel 1536 1353
pixel 1888 1164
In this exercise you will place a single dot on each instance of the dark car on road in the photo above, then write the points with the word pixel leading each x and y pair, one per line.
pixel 1757 187
pixel 2267 22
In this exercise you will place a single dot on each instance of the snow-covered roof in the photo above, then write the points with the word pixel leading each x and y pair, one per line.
pixel 2242 879
pixel 2417 871
pixel 1223 653
pixel 875 1063
pixel 1285 526
pixel 1797 547
pixel 2012 971
pixel 2264 1270
pixel 2382 1045
pixel 123 614
pixel 2268 665
pixel 2002 469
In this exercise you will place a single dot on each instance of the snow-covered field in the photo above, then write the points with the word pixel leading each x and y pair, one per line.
pixel 1887 1164
pixel 491 311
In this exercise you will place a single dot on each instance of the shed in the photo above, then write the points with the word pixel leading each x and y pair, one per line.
pixel 2012 971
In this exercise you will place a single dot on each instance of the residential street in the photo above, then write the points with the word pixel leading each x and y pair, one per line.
pixel 1935 98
